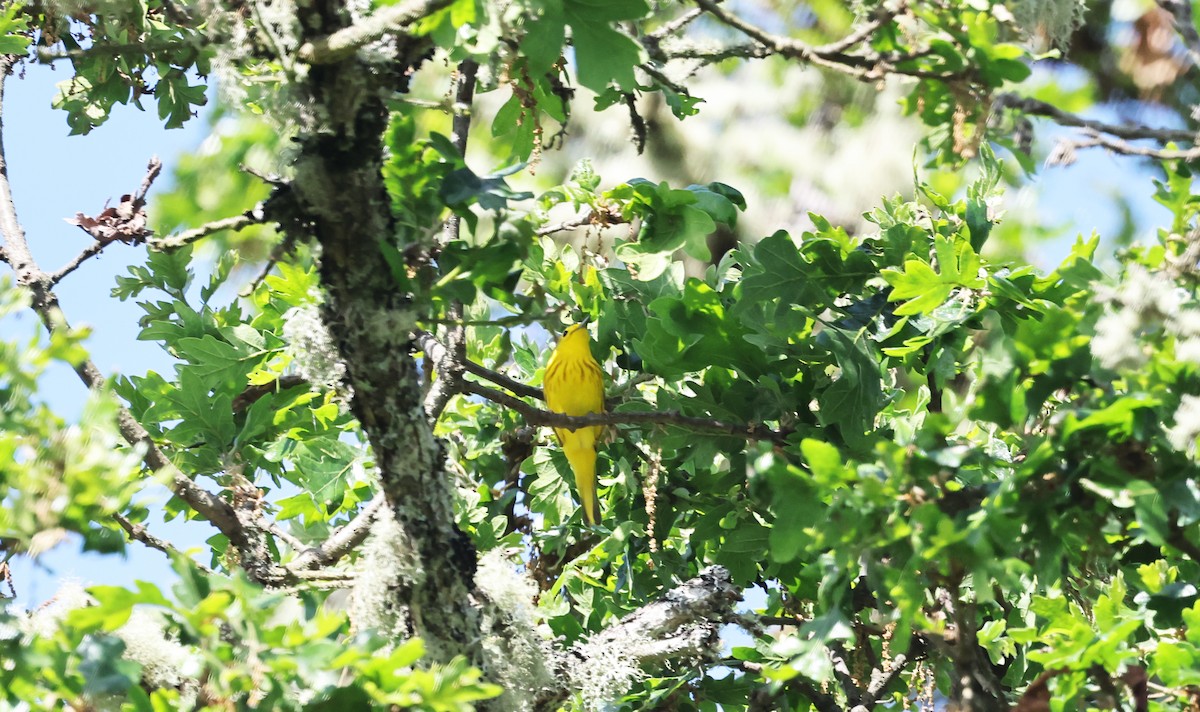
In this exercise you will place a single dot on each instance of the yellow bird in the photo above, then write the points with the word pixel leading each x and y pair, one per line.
pixel 574 385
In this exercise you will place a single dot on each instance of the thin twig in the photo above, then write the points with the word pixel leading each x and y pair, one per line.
pixel 153 168
pixel 450 367
pixel 1125 148
pixel 280 533
pixel 1131 132
pixel 676 25
pixel 187 237
pixel 590 217
pixel 88 252
pixel 834 55
pixel 636 122
pixel 745 50
pixel 880 679
pixel 510 320
pixel 104 49
pixel 138 532
pixel 464 96
pixel 436 352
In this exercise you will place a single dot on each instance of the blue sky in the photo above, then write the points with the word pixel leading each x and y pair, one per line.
pixel 54 176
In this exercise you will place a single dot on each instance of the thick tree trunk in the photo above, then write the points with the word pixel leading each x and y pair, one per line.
pixel 340 200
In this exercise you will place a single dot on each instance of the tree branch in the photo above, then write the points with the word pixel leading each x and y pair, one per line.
pixel 342 542
pixel 138 532
pixel 537 416
pixel 436 352
pixel 134 210
pixel 237 222
pixel 1064 152
pixel 834 55
pixel 340 45
pixel 681 628
pixel 880 679
pixel 449 368
pixel 706 600
pixel 591 217
pixel 1132 132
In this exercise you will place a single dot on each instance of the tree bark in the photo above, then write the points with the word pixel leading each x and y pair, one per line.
pixel 340 201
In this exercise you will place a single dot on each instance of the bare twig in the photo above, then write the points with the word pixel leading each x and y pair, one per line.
pixel 187 237
pixel 345 42
pixel 464 96
pixel 450 367
pixel 1131 132
pixel 88 252
pixel 250 394
pixel 745 50
pixel 510 320
pixel 636 123
pixel 536 416
pixel 835 55
pixel 591 217
pixel 133 212
pixel 1065 150
pixel 105 49
pixel 153 168
pixel 436 351
pixel 137 532
pixel 280 533
pixel 675 25
pixel 880 679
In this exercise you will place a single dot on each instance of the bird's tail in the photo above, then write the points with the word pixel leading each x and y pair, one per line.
pixel 583 463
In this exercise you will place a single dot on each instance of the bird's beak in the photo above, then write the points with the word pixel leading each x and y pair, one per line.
pixel 585 320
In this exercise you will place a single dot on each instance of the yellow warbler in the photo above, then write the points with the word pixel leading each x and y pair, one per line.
pixel 574 385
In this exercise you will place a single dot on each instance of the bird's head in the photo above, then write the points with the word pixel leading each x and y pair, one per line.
pixel 576 335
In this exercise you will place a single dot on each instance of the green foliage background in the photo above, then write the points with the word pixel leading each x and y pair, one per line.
pixel 926 458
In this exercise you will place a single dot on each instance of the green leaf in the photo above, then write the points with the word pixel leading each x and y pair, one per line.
pixel 978 194
pixel 779 269
pixel 544 37
pixel 602 54
pixel 14 29
pixel 854 399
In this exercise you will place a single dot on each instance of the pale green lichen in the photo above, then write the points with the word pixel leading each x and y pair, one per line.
pixel 45 621
pixel 516 648
pixel 607 666
pixel 1053 20
pixel 311 348
pixel 388 565
pixel 165 662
